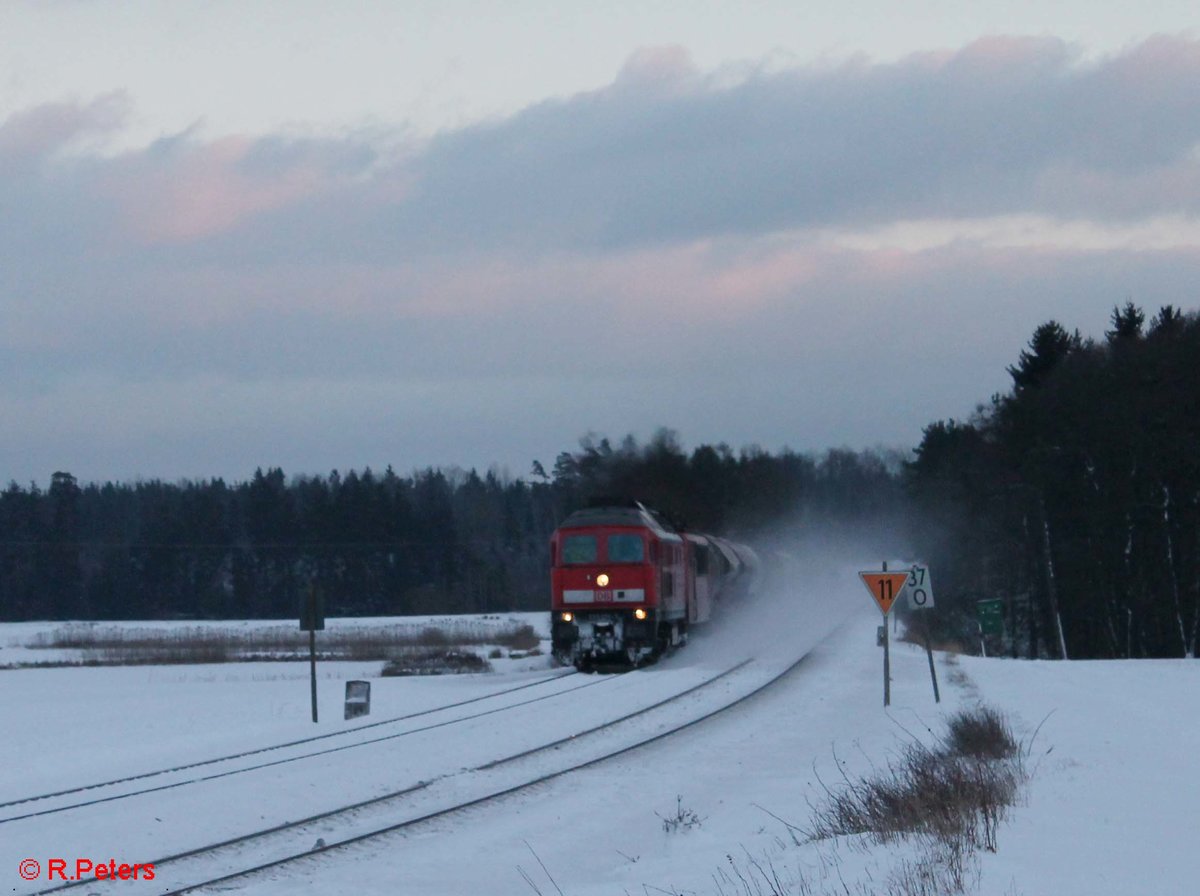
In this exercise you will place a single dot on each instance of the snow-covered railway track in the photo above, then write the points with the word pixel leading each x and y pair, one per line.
pixel 406 808
pixel 180 775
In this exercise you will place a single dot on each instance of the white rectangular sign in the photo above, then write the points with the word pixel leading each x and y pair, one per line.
pixel 919 588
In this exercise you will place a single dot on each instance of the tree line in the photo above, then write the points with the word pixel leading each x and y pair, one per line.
pixel 1075 498
pixel 435 541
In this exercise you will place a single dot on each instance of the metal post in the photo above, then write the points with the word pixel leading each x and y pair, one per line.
pixel 887 667
pixel 312 663
pixel 887 659
pixel 1012 624
pixel 937 697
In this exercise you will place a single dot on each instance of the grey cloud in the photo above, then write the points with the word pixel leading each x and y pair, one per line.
pixel 1002 126
pixel 32 134
pixel 979 133
pixel 50 214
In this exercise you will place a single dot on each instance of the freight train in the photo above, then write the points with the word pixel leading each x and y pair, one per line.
pixel 627 586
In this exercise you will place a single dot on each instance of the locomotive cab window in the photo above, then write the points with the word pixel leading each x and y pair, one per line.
pixel 579 549
pixel 625 549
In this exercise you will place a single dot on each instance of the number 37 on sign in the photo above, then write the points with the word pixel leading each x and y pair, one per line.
pixel 888 587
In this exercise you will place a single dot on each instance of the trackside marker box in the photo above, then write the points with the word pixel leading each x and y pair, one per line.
pixel 885 587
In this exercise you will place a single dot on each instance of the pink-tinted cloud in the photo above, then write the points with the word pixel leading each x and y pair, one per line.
pixel 1009 56
pixel 1163 65
pixel 657 68
pixel 195 190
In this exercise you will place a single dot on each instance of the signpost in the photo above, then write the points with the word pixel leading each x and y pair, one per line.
pixel 920 595
pixel 312 620
pixel 885 587
pixel 990 614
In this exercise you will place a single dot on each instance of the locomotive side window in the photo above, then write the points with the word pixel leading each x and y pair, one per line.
pixel 701 560
pixel 579 549
pixel 668 584
pixel 625 549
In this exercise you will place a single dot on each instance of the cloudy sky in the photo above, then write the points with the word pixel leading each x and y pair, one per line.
pixel 322 235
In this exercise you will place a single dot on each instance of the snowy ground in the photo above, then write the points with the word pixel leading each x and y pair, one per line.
pixel 1108 809
pixel 24 644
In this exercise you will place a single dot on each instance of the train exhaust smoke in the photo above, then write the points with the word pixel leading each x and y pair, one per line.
pixel 808 586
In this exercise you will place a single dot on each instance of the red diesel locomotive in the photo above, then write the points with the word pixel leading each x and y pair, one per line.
pixel 627 586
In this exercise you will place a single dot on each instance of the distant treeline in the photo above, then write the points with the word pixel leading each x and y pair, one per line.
pixel 1075 498
pixel 436 541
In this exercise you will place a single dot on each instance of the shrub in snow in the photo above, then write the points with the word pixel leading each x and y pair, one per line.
pixel 436 662
pixel 981 732
pixel 682 820
pixel 956 793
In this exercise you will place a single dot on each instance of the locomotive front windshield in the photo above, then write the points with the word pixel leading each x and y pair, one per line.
pixel 625 549
pixel 618 549
pixel 579 549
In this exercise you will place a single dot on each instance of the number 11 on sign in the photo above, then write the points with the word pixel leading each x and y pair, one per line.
pixel 885 587
pixel 885 592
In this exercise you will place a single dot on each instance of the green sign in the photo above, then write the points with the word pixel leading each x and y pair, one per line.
pixel 991 616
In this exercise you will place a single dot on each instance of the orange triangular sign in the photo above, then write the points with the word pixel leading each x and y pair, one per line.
pixel 885 587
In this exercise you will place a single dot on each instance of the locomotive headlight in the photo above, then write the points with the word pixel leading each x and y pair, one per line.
pixel 602 580
pixel 639 613
pixel 567 617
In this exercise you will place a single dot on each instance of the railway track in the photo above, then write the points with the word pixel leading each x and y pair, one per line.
pixel 355 742
pixel 408 807
pixel 282 746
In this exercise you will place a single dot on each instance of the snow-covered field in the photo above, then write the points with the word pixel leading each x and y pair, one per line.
pixel 1108 809
pixel 25 644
